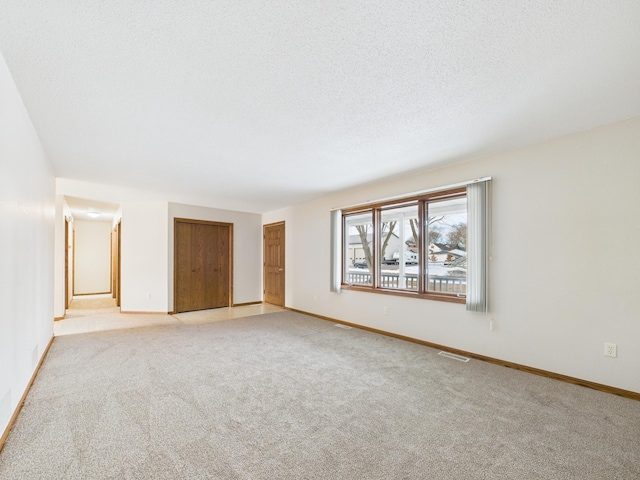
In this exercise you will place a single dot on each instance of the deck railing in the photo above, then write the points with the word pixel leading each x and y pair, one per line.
pixel 392 280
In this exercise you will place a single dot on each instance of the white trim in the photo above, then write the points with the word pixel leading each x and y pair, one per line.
pixel 413 194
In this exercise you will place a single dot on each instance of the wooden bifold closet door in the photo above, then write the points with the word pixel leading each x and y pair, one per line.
pixel 202 265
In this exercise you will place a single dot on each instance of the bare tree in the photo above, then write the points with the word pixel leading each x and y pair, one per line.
pixel 434 233
pixel 362 231
pixel 387 230
pixel 413 223
pixel 458 236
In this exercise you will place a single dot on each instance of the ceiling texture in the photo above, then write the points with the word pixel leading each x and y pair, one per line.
pixel 256 105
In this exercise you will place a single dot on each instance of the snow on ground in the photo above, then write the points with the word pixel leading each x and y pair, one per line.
pixel 435 270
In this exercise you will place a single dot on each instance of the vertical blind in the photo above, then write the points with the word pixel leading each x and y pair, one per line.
pixel 478 227
pixel 336 251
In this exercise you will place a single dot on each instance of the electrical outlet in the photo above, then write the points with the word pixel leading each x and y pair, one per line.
pixel 385 310
pixel 611 350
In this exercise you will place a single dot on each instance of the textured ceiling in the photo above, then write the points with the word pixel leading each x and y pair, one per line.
pixel 256 105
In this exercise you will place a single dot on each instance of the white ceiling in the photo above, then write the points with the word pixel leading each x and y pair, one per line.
pixel 256 105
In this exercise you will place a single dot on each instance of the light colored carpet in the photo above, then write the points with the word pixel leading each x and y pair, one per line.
pixel 287 396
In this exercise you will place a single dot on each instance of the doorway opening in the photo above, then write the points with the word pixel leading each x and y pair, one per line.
pixel 92 255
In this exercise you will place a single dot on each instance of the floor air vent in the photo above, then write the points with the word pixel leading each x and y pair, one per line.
pixel 339 325
pixel 453 356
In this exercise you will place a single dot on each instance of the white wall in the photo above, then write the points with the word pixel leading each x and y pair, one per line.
pixel 247 248
pixel 144 272
pixel 144 231
pixel 27 214
pixel 147 244
pixel 92 257
pixel 565 259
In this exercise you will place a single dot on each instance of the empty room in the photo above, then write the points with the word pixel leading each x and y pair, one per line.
pixel 332 240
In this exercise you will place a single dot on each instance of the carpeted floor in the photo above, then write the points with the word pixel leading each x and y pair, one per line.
pixel 287 396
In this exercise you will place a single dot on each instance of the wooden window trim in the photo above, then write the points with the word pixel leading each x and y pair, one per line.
pixel 442 297
pixel 432 196
pixel 376 211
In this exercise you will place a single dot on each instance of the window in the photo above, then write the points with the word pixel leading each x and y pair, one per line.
pixel 414 246
pixel 399 252
pixel 430 244
pixel 358 248
pixel 446 223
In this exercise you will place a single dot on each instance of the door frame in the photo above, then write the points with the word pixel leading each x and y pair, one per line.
pixel 116 263
pixel 284 262
pixel 67 225
pixel 177 220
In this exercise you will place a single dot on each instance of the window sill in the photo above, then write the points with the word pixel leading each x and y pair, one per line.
pixel 441 297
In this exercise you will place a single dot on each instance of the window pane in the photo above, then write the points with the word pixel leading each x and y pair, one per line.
pixel 358 244
pixel 447 246
pixel 399 248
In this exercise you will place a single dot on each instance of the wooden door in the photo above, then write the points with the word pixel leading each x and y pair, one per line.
pixel 274 263
pixel 202 265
